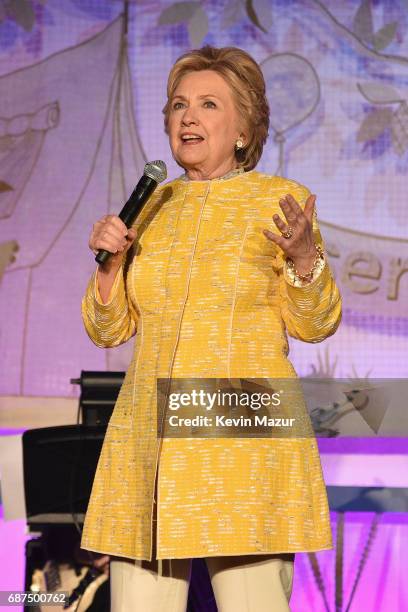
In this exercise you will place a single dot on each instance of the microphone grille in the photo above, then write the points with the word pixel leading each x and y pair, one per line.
pixel 156 170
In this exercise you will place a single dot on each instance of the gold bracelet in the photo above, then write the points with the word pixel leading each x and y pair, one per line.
pixel 308 277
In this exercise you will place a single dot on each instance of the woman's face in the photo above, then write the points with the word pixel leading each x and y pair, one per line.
pixel 204 125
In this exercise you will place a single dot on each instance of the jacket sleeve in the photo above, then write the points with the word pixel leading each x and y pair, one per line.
pixel 313 311
pixel 114 322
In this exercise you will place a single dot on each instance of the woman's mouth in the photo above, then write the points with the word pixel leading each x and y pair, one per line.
pixel 191 139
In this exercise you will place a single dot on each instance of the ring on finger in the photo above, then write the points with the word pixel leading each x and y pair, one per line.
pixel 289 232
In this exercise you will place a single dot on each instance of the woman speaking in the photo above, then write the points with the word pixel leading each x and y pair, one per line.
pixel 221 264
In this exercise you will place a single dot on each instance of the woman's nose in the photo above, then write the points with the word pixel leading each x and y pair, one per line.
pixel 189 117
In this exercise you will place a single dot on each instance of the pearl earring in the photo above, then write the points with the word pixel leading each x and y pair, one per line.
pixel 239 144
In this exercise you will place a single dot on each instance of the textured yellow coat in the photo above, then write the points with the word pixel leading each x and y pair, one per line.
pixel 209 296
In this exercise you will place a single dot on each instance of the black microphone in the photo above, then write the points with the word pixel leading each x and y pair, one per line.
pixel 154 173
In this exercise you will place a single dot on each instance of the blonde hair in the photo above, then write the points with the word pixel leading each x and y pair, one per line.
pixel 245 78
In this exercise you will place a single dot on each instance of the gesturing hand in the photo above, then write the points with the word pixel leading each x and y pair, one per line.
pixel 299 245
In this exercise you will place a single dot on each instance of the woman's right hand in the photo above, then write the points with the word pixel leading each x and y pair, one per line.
pixel 111 234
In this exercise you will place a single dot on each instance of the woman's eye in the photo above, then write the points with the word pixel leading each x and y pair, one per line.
pixel 177 105
pixel 209 104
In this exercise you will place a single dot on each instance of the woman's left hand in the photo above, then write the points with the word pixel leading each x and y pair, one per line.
pixel 300 247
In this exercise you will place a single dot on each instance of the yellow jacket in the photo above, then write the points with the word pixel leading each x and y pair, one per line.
pixel 209 296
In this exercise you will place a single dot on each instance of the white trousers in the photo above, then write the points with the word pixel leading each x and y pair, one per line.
pixel 251 583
